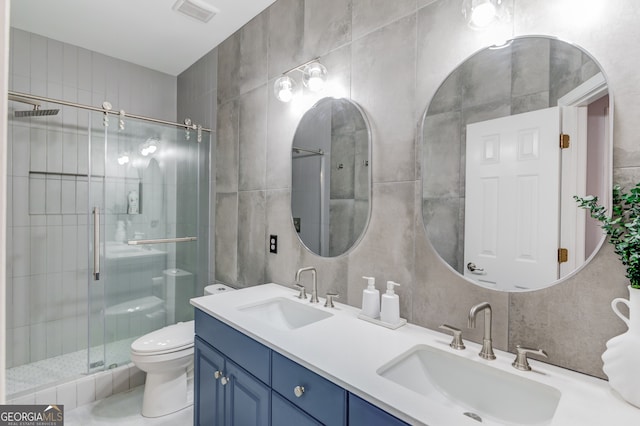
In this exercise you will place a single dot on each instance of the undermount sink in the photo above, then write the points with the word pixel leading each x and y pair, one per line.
pixel 479 391
pixel 285 314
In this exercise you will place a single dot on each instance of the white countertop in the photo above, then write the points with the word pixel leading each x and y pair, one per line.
pixel 349 351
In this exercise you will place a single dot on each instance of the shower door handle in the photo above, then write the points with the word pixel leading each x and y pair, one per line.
pixel 161 241
pixel 96 243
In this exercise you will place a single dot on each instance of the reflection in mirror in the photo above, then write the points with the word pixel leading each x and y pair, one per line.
pixel 497 185
pixel 330 181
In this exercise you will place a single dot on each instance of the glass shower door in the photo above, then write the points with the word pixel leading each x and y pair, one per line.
pixel 145 196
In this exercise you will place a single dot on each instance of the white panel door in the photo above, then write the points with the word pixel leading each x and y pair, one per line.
pixel 512 200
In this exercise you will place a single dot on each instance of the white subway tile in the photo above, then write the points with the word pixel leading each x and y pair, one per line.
pixel 28 399
pixel 136 376
pixel 38 342
pixel 21 301
pixel 37 195
pixel 54 151
pixel 104 385
pixel 46 396
pixel 120 378
pixel 38 149
pixel 85 391
pixel 20 201
pixel 66 394
pixel 21 257
pixel 20 150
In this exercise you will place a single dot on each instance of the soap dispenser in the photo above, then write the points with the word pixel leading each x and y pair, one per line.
pixel 390 312
pixel 371 299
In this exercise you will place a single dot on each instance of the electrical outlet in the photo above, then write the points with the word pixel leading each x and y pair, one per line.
pixel 273 244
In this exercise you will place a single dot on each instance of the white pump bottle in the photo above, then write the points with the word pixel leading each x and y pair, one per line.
pixel 371 299
pixel 390 312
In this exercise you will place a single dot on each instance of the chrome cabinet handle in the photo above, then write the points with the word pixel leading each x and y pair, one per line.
pixel 217 374
pixel 474 269
pixel 298 391
pixel 224 380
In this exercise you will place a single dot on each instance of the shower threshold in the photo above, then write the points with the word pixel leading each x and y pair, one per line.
pixel 44 373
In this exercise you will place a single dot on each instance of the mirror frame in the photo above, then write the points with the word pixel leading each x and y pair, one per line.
pixel 365 119
pixel 608 162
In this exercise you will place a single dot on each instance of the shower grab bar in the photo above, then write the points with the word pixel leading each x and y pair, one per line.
pixel 162 241
pixel 96 243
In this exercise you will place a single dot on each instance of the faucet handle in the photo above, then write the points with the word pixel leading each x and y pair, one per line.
pixel 521 362
pixel 457 342
pixel 303 291
pixel 329 302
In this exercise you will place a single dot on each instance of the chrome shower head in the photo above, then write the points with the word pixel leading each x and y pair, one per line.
pixel 35 112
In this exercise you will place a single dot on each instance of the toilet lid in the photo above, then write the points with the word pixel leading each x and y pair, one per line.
pixel 168 339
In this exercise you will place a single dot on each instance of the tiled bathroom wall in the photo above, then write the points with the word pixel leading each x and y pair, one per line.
pixel 48 277
pixel 390 57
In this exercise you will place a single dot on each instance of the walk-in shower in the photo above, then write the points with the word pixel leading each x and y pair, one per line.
pixel 103 234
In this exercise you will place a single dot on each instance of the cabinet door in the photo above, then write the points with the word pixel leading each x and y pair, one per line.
pixel 361 413
pixel 208 392
pixel 284 413
pixel 248 400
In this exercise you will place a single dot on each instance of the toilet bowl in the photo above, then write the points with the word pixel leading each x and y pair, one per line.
pixel 166 355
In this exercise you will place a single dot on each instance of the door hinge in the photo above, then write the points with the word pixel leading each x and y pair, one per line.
pixel 563 255
pixel 564 141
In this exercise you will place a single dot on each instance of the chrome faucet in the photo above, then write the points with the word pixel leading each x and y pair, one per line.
pixel 314 290
pixel 487 349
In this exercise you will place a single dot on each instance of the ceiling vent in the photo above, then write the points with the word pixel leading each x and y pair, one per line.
pixel 197 9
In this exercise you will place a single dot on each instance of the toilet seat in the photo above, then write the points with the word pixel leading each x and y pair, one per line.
pixel 173 338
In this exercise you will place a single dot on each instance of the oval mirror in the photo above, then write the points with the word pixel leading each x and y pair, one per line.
pixel 330 176
pixel 508 138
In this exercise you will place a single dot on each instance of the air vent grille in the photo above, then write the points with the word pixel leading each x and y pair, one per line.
pixel 196 9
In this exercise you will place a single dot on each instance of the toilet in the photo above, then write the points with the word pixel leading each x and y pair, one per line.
pixel 166 355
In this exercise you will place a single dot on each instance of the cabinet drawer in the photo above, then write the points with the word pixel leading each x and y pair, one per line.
pixel 243 350
pixel 361 413
pixel 322 399
pixel 283 413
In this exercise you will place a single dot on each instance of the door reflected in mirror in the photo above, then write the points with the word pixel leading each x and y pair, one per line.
pixel 331 175
pixel 498 176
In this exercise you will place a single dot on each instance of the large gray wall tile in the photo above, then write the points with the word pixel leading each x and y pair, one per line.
pixel 252 134
pixel 253 53
pixel 252 240
pixel 286 48
pixel 383 69
pixel 369 15
pixel 226 237
pixel 227 137
pixel 327 25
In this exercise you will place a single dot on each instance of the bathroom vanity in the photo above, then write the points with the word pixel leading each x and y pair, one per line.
pixel 265 357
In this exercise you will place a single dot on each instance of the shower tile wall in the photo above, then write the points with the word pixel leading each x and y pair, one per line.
pixel 47 276
pixel 393 59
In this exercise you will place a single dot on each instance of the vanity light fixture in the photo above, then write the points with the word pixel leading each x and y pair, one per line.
pixel 314 76
pixel 482 13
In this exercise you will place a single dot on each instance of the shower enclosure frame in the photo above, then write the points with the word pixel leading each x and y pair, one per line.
pixel 107 111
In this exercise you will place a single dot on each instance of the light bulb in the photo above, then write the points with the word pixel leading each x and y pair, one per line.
pixel 483 14
pixel 152 148
pixel 284 88
pixel 314 76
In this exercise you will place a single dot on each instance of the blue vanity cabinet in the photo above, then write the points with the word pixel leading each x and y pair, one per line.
pixel 362 413
pixel 225 394
pixel 315 395
pixel 208 392
pixel 240 382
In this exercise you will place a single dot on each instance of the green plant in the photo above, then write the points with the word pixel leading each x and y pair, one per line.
pixel 623 227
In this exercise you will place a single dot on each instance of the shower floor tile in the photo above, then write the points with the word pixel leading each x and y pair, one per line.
pixel 30 377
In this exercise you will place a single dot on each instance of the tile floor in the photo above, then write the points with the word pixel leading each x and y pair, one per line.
pixel 123 409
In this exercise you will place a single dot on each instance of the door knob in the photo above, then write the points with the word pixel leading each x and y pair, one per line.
pixel 474 269
pixel 298 391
